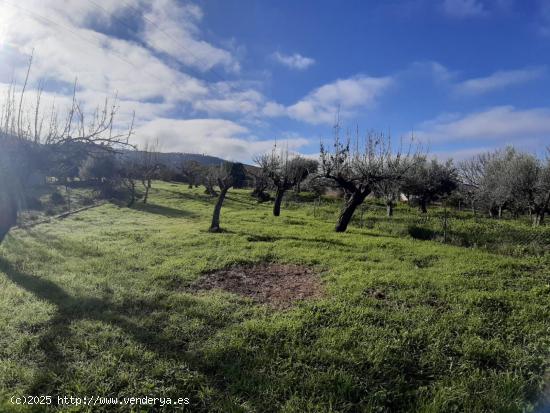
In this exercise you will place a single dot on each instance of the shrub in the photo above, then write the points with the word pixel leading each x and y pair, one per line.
pixel 56 198
pixel 421 233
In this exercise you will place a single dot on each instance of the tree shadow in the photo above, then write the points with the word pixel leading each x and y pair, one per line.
pixel 165 211
pixel 191 196
pixel 56 368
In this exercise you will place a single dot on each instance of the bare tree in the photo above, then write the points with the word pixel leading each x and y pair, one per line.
pixel 22 129
pixel 260 182
pixel 359 170
pixel 129 174
pixel 285 172
pixel 389 191
pixel 149 165
pixel 209 179
pixel 192 171
pixel 227 175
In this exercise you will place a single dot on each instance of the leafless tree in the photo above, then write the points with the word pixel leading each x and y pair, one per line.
pixel 27 129
pixel 209 179
pixel 358 170
pixel 129 174
pixel 260 182
pixel 228 175
pixel 192 171
pixel 389 191
pixel 149 165
pixel 285 172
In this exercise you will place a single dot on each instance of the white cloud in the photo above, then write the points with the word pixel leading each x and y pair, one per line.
pixel 218 137
pixel 65 49
pixel 228 98
pixel 70 39
pixel 347 95
pixel 504 124
pixel 294 61
pixel 464 8
pixel 172 27
pixel 499 80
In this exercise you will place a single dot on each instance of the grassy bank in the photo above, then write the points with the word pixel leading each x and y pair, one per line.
pixel 100 304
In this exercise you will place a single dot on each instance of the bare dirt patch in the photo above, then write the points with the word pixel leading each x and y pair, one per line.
pixel 277 285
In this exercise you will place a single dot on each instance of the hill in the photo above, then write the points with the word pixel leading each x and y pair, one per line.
pixel 176 159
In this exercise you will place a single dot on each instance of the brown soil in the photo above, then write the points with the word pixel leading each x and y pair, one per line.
pixel 278 285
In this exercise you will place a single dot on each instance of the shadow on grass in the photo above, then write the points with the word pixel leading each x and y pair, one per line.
pixel 163 210
pixel 56 369
pixel 190 196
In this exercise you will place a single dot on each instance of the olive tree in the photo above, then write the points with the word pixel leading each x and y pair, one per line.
pixel 192 172
pixel 261 183
pixel 504 179
pixel 428 181
pixel 358 171
pixel 285 171
pixel 389 191
pixel 227 175
pixel 529 182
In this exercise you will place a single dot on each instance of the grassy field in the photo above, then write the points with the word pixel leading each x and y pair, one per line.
pixel 99 304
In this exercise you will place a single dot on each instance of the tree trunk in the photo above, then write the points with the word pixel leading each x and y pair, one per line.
pixel 540 211
pixel 389 209
pixel 215 226
pixel 278 200
pixel 147 187
pixel 8 217
pixel 423 206
pixel 132 194
pixel 499 211
pixel 349 208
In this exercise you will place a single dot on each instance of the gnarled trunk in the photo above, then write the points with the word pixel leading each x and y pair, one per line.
pixel 215 226
pixel 278 200
pixel 349 208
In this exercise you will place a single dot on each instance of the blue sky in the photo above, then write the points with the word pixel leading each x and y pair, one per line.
pixel 228 77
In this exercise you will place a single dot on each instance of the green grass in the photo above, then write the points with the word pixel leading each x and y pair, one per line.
pixel 98 304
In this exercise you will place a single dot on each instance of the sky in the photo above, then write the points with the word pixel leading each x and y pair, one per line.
pixel 230 78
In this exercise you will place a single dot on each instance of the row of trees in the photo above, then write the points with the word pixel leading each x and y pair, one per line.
pixel 508 180
pixel 88 145
pixel 491 183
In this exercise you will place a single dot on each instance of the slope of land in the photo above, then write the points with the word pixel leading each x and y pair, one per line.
pixel 102 303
